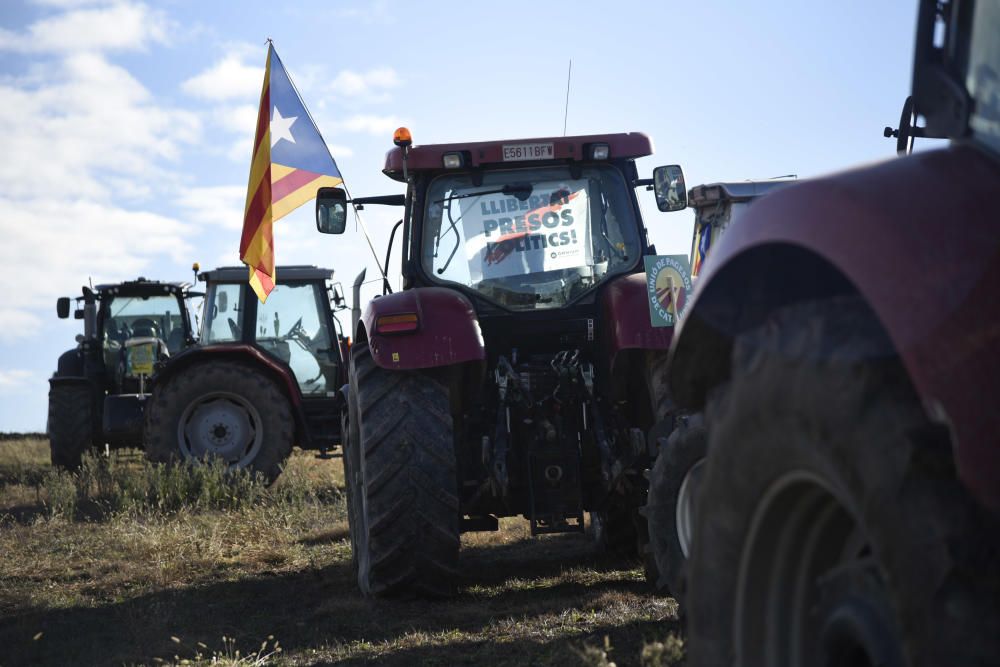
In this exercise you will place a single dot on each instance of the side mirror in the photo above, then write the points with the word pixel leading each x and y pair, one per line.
pixel 668 185
pixel 331 210
pixel 337 291
pixel 62 307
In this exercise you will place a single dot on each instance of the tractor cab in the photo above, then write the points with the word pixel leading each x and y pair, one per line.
pixel 717 206
pixel 130 326
pixel 296 325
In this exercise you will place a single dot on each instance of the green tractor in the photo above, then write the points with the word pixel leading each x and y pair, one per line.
pixel 99 389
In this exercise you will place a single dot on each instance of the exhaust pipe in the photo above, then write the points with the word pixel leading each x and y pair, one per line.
pixel 356 306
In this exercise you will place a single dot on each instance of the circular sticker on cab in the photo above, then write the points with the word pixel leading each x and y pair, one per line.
pixel 668 281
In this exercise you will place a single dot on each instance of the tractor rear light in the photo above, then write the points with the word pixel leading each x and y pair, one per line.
pixel 388 324
pixel 453 160
pixel 599 151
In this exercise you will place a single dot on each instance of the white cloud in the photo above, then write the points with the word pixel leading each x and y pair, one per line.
pixel 230 78
pixel 121 26
pixel 338 151
pixel 220 205
pixel 17 323
pixel 241 119
pixel 113 127
pixel 377 11
pixel 373 83
pixel 90 147
pixel 14 379
pixel 72 4
pixel 77 239
pixel 371 124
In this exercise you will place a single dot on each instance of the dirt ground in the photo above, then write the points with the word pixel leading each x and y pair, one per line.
pixel 106 571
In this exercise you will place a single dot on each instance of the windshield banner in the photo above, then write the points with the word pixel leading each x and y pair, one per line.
pixel 548 230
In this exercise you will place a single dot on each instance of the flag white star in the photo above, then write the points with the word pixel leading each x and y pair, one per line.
pixel 281 128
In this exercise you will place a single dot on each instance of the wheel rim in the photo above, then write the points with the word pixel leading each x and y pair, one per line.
pixel 684 513
pixel 220 425
pixel 801 538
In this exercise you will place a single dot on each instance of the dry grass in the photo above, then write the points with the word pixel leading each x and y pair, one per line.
pixel 118 579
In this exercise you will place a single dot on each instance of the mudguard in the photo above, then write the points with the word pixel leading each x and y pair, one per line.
pixel 918 238
pixel 447 329
pixel 626 318
pixel 236 352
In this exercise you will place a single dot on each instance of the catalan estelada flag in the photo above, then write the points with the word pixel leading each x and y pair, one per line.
pixel 290 162
pixel 702 241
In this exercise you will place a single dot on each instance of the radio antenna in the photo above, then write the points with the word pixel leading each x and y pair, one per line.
pixel 569 76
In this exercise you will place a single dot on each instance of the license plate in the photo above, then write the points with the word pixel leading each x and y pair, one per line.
pixel 514 152
pixel 140 359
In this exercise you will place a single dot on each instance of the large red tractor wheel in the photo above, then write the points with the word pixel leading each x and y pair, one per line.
pixel 670 510
pixel 833 530
pixel 401 481
pixel 219 410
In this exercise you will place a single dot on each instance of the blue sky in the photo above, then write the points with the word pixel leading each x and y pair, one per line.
pixel 128 125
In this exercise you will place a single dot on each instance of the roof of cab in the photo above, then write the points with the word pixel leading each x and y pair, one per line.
pixel 143 286
pixel 736 191
pixel 478 153
pixel 291 273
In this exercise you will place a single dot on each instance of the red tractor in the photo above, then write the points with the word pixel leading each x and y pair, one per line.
pixel 263 377
pixel 842 347
pixel 517 372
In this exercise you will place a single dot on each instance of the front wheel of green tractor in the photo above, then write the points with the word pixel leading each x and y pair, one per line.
pixel 70 423
pixel 401 479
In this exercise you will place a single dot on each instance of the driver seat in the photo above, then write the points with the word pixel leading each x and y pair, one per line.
pixel 145 328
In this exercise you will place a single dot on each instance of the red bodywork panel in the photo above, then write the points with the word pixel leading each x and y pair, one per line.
pixel 623 145
pixel 919 237
pixel 236 352
pixel 625 313
pixel 233 352
pixel 447 329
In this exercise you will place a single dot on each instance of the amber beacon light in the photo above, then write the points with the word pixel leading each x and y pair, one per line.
pixel 401 137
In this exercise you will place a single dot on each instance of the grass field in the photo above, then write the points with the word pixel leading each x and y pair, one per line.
pixel 129 564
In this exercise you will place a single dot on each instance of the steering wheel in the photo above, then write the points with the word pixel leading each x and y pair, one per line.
pixel 234 328
pixel 296 330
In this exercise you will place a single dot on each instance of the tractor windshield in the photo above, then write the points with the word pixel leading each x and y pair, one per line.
pixel 530 238
pixel 147 317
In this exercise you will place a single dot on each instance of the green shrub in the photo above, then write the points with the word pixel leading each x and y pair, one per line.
pixel 60 494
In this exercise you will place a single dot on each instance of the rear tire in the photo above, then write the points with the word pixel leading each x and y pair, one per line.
pixel 835 530
pixel 224 410
pixel 673 487
pixel 404 498
pixel 70 424
pixel 614 528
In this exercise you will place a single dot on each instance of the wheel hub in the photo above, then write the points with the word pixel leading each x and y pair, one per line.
pixel 220 426
pixel 684 519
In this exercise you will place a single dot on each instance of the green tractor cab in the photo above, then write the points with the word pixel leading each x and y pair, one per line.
pixel 97 393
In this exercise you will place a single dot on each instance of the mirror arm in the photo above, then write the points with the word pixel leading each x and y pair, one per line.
pixel 385 200
pixel 386 289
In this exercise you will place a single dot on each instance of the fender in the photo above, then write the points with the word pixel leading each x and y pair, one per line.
pixel 917 237
pixel 447 329
pixel 70 364
pixel 235 352
pixel 627 324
